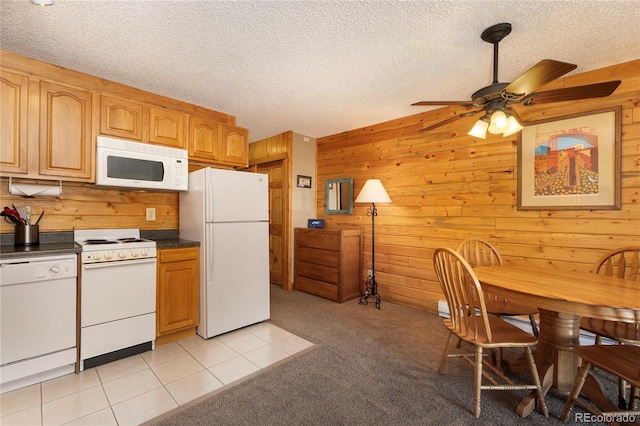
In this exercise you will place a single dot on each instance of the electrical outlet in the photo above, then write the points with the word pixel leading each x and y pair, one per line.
pixel 151 214
pixel 369 272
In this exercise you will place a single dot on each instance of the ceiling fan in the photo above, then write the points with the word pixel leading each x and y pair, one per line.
pixel 496 99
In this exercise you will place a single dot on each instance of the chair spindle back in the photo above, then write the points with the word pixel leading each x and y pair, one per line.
pixel 463 292
pixel 623 262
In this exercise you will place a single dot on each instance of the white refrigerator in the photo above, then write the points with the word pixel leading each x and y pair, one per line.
pixel 228 213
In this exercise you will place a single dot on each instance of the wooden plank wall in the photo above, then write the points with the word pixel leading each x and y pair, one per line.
pixel 85 206
pixel 446 186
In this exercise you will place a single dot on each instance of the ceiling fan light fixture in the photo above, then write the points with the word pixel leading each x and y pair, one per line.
pixel 42 2
pixel 479 129
pixel 499 122
pixel 514 126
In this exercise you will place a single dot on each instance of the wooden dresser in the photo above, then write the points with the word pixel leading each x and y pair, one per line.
pixel 328 263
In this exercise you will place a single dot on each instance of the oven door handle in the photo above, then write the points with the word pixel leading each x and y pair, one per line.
pixel 117 262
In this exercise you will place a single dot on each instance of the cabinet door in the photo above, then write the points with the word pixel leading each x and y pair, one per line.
pixel 66 142
pixel 167 127
pixel 235 145
pixel 13 122
pixel 121 118
pixel 177 304
pixel 204 140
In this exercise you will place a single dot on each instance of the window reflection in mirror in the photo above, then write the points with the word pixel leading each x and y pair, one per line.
pixel 339 196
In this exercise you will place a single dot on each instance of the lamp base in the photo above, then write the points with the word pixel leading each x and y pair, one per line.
pixel 371 290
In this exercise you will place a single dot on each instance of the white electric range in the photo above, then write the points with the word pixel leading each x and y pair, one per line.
pixel 117 295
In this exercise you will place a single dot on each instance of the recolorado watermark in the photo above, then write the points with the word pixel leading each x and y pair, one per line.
pixel 607 417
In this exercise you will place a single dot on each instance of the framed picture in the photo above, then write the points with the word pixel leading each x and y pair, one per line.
pixel 571 162
pixel 304 181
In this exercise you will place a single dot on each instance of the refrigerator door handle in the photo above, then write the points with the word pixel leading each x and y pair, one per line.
pixel 210 251
pixel 209 200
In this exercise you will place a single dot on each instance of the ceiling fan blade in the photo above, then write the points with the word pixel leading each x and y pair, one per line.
pixel 597 90
pixel 450 119
pixel 516 115
pixel 437 103
pixel 540 74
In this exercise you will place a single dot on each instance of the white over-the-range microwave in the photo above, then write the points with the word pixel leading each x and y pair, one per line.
pixel 131 164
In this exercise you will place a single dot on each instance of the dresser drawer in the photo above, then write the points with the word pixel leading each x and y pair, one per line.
pixel 325 240
pixel 316 271
pixel 319 257
pixel 319 288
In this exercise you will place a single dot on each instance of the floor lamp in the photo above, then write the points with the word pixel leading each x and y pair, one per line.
pixel 372 192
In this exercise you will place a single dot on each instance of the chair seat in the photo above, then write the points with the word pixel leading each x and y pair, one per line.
pixel 505 307
pixel 624 332
pixel 504 335
pixel 624 358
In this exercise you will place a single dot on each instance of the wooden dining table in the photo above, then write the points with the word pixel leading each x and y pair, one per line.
pixel 563 297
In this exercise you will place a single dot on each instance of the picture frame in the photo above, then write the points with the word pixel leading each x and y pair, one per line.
pixel 571 162
pixel 304 181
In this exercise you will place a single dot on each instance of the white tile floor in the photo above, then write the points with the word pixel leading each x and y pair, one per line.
pixel 136 389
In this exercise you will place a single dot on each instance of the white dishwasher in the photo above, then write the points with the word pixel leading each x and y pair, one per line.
pixel 38 319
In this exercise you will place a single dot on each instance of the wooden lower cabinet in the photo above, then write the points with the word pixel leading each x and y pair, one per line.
pixel 176 294
pixel 328 263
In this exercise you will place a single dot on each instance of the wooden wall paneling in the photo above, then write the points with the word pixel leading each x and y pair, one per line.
pixel 274 146
pixel 84 206
pixel 446 186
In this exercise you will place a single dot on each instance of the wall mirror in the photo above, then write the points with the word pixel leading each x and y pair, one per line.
pixel 338 196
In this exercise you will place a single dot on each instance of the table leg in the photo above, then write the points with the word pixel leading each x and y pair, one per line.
pixel 559 335
pixel 556 362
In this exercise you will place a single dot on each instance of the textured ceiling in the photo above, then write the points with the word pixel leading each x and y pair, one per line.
pixel 316 67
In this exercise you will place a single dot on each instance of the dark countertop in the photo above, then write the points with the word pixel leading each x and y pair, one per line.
pixel 175 243
pixel 42 249
pixel 60 243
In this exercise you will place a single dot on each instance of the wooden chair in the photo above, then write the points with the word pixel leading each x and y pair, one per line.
pixel 622 361
pixel 479 252
pixel 474 326
pixel 623 262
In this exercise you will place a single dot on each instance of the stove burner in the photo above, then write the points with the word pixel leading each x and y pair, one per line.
pixel 131 240
pixel 100 241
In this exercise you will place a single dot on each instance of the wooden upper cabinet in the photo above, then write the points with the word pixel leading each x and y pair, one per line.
pixel 46 129
pixel 204 140
pixel 166 127
pixel 13 122
pixel 235 148
pixel 121 118
pixel 138 121
pixel 66 137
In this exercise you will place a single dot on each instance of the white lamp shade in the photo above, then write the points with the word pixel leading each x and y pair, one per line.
pixel 479 130
pixel 498 122
pixel 514 126
pixel 373 192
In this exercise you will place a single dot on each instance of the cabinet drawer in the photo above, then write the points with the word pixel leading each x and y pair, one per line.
pixel 320 272
pixel 317 256
pixel 177 254
pixel 319 288
pixel 325 240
